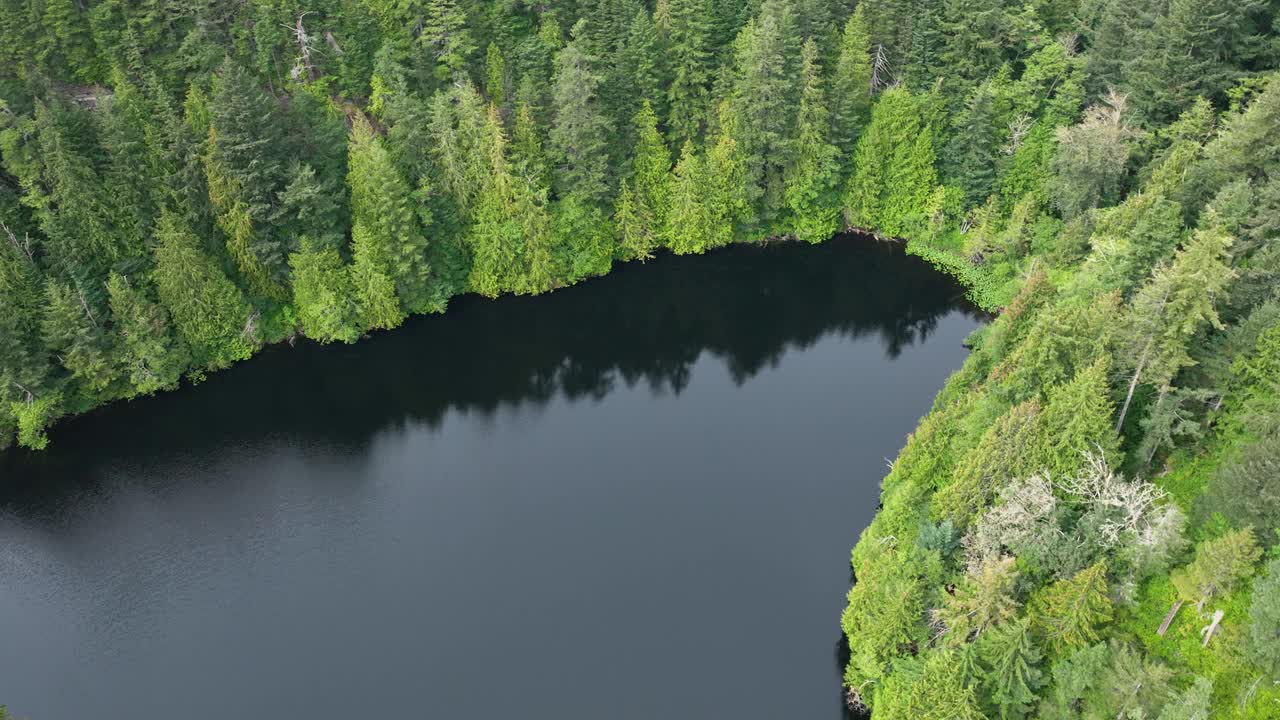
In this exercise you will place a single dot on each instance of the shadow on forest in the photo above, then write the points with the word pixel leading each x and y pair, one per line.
pixel 745 305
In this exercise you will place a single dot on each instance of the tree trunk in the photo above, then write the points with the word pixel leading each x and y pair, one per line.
pixel 1168 619
pixel 1164 391
pixel 1133 384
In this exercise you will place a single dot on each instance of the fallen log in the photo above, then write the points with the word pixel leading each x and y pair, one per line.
pixel 1164 626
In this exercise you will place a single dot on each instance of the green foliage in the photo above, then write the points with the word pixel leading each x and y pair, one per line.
pixel 579 130
pixel 1006 451
pixel 930 690
pixel 386 229
pixel 324 294
pixel 851 84
pixel 72 331
pixel 1220 564
pixel 1074 676
pixel 446 36
pixel 152 357
pixel 690 224
pixel 982 600
pixel 1077 419
pixel 1091 160
pixel 642 213
pixel 893 168
pixel 811 178
pixel 763 100
pixel 884 616
pixel 688 37
pixel 1190 704
pixel 1011 674
pixel 209 313
pixel 34 416
pixel 1244 489
pixel 334 168
pixel 1070 613
pixel 1264 620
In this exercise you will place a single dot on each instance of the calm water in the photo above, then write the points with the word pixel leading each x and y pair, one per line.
pixel 630 499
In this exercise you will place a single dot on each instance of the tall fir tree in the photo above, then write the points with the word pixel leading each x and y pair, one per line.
pixel 209 312
pixel 245 168
pixel 689 47
pixel 579 131
pixel 384 218
pixel 851 84
pixel 811 178
pixel 1070 613
pixel 447 36
pixel 153 358
pixel 1010 676
pixel 764 94
pixel 646 198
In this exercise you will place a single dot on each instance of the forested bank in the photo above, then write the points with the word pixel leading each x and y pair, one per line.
pixel 183 183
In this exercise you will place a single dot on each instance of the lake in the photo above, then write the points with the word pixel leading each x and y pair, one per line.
pixel 634 498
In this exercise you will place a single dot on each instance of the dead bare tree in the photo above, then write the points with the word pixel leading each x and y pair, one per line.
pixel 23 246
pixel 1018 129
pixel 306 47
pixel 881 72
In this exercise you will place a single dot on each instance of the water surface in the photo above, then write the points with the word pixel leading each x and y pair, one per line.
pixel 634 498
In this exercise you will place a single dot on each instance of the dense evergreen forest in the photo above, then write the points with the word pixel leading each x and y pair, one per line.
pixel 1084 526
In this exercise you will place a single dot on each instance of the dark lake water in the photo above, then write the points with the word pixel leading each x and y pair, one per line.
pixel 634 498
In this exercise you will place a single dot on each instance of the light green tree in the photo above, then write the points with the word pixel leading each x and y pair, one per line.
pixel 1070 613
pixel 811 177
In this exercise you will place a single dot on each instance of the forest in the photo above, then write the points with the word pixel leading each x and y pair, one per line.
pixel 1083 526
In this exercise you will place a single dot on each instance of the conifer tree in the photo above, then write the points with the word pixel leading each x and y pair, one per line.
pixel 690 224
pixel 77 214
pixel 641 70
pixel 1070 613
pixel 974 146
pixel 245 171
pixel 983 599
pixel 447 37
pixel 495 76
pixel 635 238
pixel 1077 419
pixel 384 219
pixel 934 690
pixel 974 32
pixel 528 159
pixel 510 234
pixel 1264 620
pixel 1195 50
pixel 728 183
pixel 688 40
pixel 924 59
pixel 64 44
pixel 649 190
pixel 579 132
pixel 812 175
pixel 851 84
pixel 375 292
pixel 209 312
pixel 24 366
pixel 76 335
pixel 1011 676
pixel 153 358
pixel 891 152
pixel 1122 25
pixel 1219 566
pixel 324 294
pixel 1003 453
pixel 764 97
pixel 1190 704
pixel 1179 301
